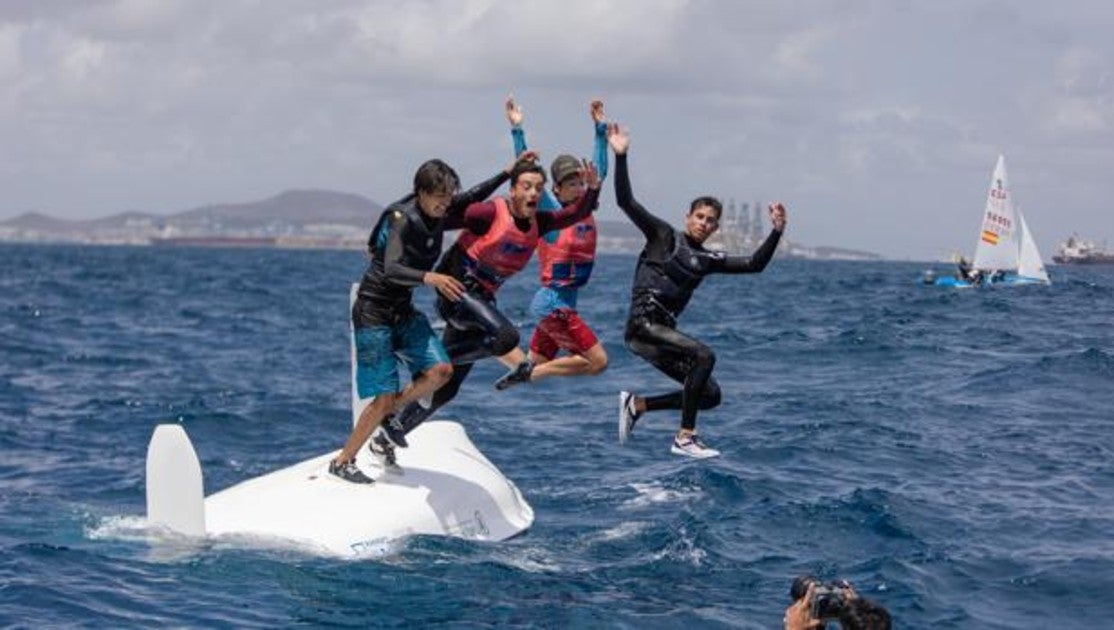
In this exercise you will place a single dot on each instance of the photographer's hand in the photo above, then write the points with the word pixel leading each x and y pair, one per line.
pixel 799 616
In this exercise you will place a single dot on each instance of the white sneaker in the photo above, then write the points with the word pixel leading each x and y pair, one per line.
pixel 693 446
pixel 627 416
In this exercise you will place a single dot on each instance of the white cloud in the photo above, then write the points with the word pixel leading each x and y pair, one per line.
pixel 846 109
pixel 1071 115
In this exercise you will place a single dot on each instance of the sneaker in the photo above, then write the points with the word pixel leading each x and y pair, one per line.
pixel 693 446
pixel 394 431
pixel 520 374
pixel 384 453
pixel 627 416
pixel 348 471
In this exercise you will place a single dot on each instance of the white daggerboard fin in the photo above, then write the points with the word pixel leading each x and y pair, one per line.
pixel 1029 264
pixel 175 492
pixel 358 405
pixel 997 247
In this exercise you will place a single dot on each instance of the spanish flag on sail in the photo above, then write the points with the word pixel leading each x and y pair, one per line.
pixel 989 237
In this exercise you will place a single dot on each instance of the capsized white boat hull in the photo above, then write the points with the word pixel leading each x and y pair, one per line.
pixel 447 488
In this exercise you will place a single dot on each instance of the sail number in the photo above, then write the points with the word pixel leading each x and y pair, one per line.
pixel 998 219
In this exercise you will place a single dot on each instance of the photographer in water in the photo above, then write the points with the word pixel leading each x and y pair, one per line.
pixel 815 603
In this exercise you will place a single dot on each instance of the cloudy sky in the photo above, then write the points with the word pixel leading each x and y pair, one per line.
pixel 877 122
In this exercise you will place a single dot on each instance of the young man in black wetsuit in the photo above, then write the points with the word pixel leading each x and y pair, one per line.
pixel 497 241
pixel 670 268
pixel 403 247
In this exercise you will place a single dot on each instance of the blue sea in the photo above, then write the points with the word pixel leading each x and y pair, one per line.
pixel 948 452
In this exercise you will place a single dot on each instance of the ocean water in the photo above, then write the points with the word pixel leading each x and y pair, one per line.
pixel 949 452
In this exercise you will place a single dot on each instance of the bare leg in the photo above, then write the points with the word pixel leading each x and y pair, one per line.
pixel 424 385
pixel 513 358
pixel 590 363
pixel 370 418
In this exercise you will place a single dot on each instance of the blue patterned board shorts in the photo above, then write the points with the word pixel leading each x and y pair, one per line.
pixel 379 349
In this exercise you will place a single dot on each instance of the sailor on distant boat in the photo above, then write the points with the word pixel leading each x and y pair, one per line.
pixel 963 270
pixel 670 268
pixel 403 247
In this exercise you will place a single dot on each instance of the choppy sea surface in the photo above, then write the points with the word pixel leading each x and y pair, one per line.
pixel 949 452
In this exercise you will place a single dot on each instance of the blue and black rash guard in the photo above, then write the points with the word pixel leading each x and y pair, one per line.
pixel 671 265
pixel 405 244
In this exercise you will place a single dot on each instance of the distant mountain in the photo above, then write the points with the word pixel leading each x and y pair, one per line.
pixel 297 207
pixel 294 207
pixel 40 222
pixel 295 218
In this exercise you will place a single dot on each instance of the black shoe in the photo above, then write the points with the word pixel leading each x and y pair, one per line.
pixel 348 472
pixel 520 374
pixel 393 428
pixel 384 453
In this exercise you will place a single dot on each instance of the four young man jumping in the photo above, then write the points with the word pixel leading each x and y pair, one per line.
pixel 498 238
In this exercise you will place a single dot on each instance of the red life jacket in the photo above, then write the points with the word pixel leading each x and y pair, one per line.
pixel 567 262
pixel 501 252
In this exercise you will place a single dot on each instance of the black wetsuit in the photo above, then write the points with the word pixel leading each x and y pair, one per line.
pixel 670 268
pixel 405 244
pixel 476 329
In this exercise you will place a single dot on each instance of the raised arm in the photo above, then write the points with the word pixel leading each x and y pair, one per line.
pixel 548 202
pixel 599 149
pixel 655 230
pixel 757 261
pixel 479 192
pixel 476 218
pixel 482 191
pixel 514 117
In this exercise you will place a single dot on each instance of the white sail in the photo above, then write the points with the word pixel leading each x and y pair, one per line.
pixel 1029 265
pixel 998 244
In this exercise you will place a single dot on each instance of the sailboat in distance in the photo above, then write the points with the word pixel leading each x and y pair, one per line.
pixel 1005 252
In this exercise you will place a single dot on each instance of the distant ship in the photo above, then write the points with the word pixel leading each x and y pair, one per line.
pixel 1076 251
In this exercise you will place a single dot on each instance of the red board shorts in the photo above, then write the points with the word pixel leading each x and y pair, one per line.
pixel 562 330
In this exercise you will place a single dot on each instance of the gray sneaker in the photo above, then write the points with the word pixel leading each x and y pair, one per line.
pixel 348 471
pixel 393 429
pixel 384 453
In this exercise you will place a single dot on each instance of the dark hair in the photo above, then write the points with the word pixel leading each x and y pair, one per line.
pixel 526 167
pixel 435 177
pixel 711 202
pixel 863 614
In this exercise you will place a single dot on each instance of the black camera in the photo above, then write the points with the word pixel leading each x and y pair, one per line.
pixel 828 599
